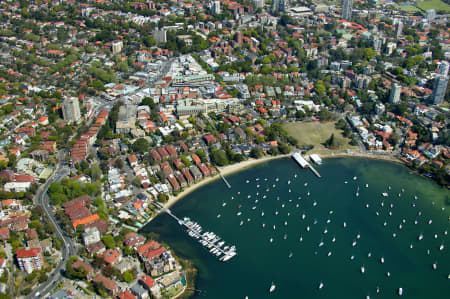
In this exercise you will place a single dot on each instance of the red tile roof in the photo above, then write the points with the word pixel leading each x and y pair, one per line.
pixel 154 253
pixel 24 253
pixel 86 220
pixel 147 246
pixel 148 281
pixel 126 295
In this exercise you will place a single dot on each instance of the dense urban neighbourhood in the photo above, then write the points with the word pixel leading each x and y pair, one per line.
pixel 110 109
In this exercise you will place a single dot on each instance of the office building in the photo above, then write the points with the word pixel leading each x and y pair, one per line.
pixel 127 119
pixel 394 96
pixel 443 68
pixel 279 5
pixel 117 47
pixel 215 8
pixel 258 3
pixel 399 28
pixel 238 37
pixel 30 259
pixel 430 15
pixel 71 109
pixel 377 44
pixel 160 35
pixel 439 89
pixel 347 10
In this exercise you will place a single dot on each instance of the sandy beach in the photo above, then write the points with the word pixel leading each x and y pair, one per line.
pixel 227 170
pixel 362 155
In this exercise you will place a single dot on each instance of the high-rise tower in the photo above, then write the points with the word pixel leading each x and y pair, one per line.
pixel 347 10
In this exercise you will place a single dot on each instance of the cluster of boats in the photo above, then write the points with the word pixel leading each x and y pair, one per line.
pixel 209 240
pixel 382 211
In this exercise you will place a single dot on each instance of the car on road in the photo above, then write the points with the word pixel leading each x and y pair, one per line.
pixel 37 294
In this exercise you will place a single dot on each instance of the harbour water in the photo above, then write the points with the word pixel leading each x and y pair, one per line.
pixel 344 227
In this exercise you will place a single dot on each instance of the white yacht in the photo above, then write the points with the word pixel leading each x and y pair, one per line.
pixel 321 285
pixel 363 270
pixel 400 291
pixel 272 288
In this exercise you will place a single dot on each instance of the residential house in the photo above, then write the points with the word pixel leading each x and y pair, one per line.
pixel 79 264
pixel 139 291
pixel 110 285
pixel 4 233
pixel 126 294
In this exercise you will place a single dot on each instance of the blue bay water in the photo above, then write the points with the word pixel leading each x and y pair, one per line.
pixel 280 189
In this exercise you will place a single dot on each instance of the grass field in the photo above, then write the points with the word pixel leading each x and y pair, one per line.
pixel 436 4
pixel 408 8
pixel 316 133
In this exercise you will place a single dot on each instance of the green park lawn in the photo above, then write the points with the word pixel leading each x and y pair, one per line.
pixel 315 134
pixel 408 8
pixel 439 5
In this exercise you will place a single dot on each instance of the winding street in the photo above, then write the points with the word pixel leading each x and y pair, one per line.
pixel 68 248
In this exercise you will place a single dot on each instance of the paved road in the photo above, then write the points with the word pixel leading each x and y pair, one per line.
pixel 9 255
pixel 68 248
pixel 42 199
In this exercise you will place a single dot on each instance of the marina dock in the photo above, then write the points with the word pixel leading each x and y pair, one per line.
pixel 305 164
pixel 209 240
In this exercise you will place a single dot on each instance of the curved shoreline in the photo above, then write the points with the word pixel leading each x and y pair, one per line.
pixel 389 158
pixel 230 169
pixel 226 170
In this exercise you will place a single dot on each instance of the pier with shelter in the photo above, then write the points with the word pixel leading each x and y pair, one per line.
pixel 304 163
